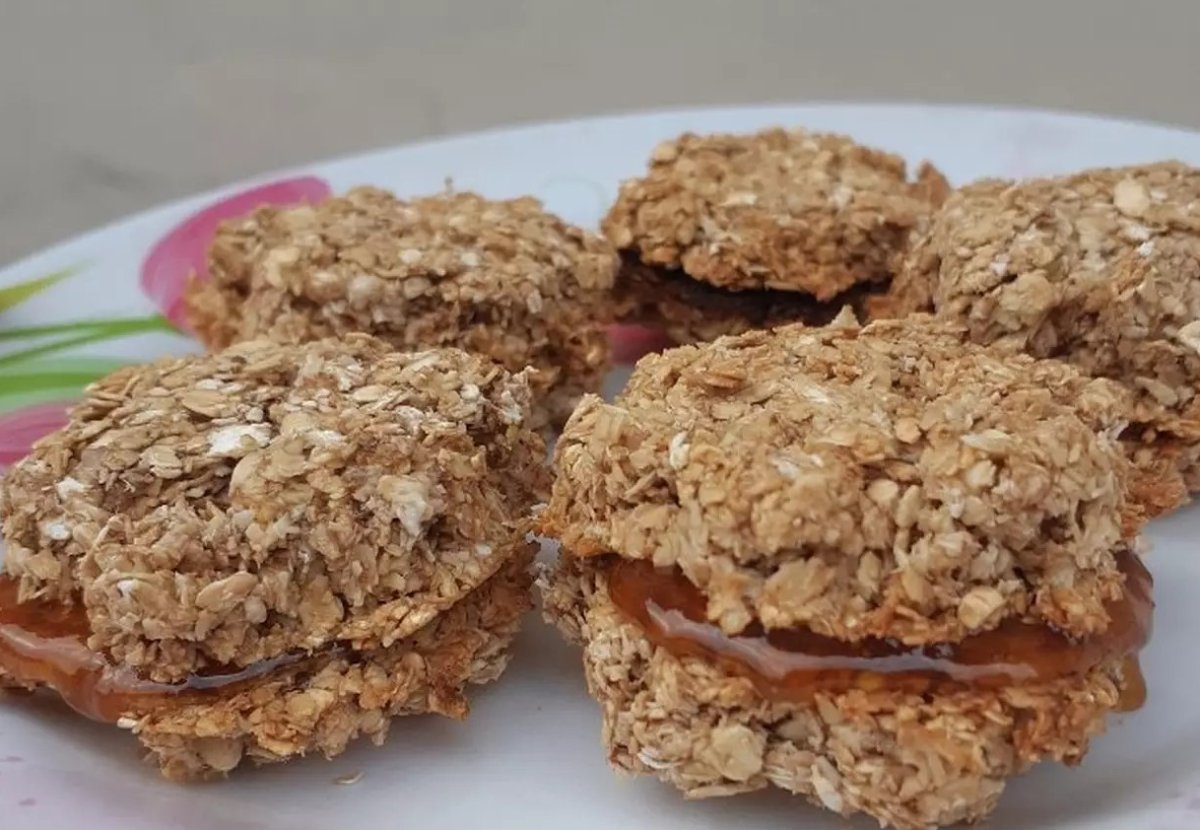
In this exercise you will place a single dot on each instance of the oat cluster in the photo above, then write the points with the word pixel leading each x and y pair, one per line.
pixel 321 705
pixel 891 481
pixel 1100 269
pixel 910 762
pixel 220 510
pixel 501 278
pixel 779 209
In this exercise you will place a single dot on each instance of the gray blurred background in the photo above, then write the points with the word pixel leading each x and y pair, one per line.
pixel 111 106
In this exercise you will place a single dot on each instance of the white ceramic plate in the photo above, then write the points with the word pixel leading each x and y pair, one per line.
pixel 529 756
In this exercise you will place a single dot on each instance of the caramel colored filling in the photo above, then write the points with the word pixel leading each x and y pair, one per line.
pixel 794 664
pixel 45 644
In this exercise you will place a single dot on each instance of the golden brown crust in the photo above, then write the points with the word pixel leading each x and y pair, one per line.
pixel 782 209
pixel 224 509
pixel 689 311
pixel 1010 258
pixel 907 761
pixel 502 278
pixel 840 478
pixel 1100 268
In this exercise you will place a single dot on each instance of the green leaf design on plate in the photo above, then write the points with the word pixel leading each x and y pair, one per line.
pixel 32 373
pixel 22 291
pixel 57 375
pixel 55 379
pixel 78 333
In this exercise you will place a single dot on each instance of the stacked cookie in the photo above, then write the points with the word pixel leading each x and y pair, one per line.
pixel 504 279
pixel 881 568
pixel 727 233
pixel 273 549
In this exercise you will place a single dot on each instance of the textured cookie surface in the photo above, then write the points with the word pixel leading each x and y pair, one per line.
pixel 1023 259
pixel 892 481
pixel 322 703
pixel 223 509
pixel 503 278
pixel 908 761
pixel 1101 269
pixel 791 210
pixel 337 698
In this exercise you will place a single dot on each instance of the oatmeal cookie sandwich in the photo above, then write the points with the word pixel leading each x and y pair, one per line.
pixel 1100 269
pixel 273 549
pixel 878 568
pixel 727 233
pixel 502 278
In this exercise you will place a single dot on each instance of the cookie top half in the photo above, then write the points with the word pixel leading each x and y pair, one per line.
pixel 891 481
pixel 503 278
pixel 221 510
pixel 371 262
pixel 784 209
pixel 1100 268
pixel 1003 255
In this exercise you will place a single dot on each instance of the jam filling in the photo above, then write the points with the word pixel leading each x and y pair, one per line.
pixel 45 644
pixel 794 664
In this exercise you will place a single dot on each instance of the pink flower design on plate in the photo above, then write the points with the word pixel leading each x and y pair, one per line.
pixel 20 428
pixel 183 250
pixel 631 342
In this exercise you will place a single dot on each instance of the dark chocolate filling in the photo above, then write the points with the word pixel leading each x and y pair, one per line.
pixel 666 297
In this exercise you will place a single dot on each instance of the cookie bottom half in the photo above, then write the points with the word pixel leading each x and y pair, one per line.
pixel 321 703
pixel 910 761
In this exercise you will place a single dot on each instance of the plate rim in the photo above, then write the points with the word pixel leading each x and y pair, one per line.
pixel 1077 117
